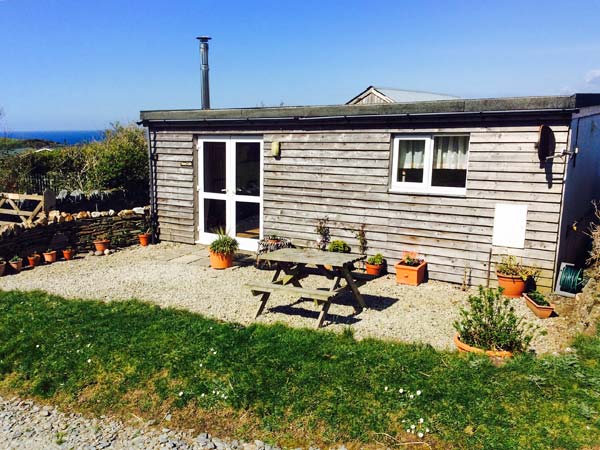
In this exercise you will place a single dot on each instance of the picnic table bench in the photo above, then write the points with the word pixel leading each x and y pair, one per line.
pixel 291 267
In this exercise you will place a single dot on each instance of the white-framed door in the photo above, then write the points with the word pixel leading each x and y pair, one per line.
pixel 230 188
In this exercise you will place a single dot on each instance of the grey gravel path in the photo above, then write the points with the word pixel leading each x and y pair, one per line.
pixel 26 425
pixel 178 275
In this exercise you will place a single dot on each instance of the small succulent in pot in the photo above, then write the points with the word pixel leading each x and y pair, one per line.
pixel 50 256
pixel 339 246
pixel 513 275
pixel 68 253
pixel 222 250
pixel 375 264
pixel 538 304
pixel 16 262
pixel 411 269
pixel 34 259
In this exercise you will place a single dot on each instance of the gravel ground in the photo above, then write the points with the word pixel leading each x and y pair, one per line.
pixel 178 276
pixel 29 426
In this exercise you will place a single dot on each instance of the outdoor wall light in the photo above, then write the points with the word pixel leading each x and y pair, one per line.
pixel 276 149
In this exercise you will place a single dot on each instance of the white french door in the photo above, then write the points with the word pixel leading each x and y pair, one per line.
pixel 230 188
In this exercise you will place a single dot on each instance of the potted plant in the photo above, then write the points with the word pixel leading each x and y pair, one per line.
pixel 16 262
pixel 50 256
pixel 410 269
pixel 536 301
pixel 2 266
pixel 101 244
pixel 375 264
pixel 221 251
pixel 339 247
pixel 68 253
pixel 324 233
pixel 145 237
pixel 512 275
pixel 491 326
pixel 34 259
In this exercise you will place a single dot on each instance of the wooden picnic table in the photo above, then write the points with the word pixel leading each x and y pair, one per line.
pixel 291 266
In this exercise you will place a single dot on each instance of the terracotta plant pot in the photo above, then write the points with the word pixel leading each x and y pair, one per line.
pixel 543 312
pixel 466 348
pixel 101 245
pixel 16 266
pixel 411 275
pixel 219 261
pixel 513 286
pixel 68 254
pixel 34 260
pixel 50 257
pixel 144 239
pixel 373 269
pixel 2 268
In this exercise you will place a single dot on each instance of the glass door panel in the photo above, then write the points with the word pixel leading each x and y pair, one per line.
pixel 247 220
pixel 215 167
pixel 247 168
pixel 215 215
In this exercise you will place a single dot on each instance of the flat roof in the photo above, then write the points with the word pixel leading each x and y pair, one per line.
pixel 437 107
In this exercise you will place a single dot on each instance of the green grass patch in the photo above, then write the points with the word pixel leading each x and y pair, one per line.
pixel 290 385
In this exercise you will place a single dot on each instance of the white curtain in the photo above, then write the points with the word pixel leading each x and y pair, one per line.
pixel 450 152
pixel 411 154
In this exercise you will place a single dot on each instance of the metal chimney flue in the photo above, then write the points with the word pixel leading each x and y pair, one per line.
pixel 204 69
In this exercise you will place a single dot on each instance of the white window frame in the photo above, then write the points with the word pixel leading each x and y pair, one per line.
pixel 425 186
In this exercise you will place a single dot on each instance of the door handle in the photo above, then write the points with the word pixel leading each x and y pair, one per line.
pixel 224 190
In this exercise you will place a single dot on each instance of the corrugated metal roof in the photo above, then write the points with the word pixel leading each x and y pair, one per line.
pixel 404 96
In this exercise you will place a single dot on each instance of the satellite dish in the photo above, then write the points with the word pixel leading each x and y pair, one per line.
pixel 546 143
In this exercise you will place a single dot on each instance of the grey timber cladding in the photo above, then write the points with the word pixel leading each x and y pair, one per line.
pixel 175 185
pixel 345 175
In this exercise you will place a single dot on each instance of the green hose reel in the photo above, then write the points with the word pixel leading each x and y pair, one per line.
pixel 571 279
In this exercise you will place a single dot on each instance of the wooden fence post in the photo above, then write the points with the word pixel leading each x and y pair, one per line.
pixel 49 201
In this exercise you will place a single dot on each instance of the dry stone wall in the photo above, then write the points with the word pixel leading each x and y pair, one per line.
pixel 60 230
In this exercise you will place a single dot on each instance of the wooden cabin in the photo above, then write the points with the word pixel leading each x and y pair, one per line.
pixel 458 181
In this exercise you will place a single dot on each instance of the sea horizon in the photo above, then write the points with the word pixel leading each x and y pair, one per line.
pixel 66 137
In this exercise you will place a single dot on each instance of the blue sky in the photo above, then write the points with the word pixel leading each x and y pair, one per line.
pixel 81 64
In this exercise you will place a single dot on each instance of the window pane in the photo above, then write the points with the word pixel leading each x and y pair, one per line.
pixel 247 220
pixel 247 168
pixel 450 161
pixel 214 167
pixel 411 156
pixel 214 215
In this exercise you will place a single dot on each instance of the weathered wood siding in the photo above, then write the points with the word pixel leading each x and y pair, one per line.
pixel 344 175
pixel 175 185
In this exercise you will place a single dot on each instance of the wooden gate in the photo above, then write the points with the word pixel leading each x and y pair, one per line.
pixel 11 204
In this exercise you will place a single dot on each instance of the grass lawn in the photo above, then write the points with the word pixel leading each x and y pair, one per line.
pixel 287 385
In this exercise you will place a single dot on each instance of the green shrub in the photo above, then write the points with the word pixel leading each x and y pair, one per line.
pixel 224 245
pixel 491 323
pixel 120 161
pixel 376 259
pixel 339 247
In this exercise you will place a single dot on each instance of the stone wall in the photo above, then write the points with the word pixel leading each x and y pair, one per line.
pixel 76 231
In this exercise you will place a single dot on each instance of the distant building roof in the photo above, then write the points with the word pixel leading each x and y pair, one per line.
pixel 374 94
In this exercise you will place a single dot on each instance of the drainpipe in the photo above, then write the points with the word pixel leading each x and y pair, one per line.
pixel 204 70
pixel 151 158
